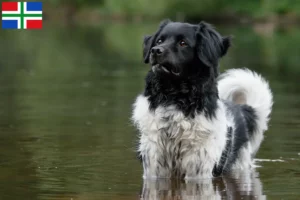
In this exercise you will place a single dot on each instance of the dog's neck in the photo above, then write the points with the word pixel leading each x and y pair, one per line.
pixel 190 96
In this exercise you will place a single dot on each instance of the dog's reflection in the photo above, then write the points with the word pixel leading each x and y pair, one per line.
pixel 239 185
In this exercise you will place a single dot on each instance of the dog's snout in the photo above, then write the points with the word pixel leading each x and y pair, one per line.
pixel 157 50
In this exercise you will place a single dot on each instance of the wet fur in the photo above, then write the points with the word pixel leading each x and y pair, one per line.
pixel 191 124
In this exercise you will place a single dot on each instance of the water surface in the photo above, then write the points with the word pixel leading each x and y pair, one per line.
pixel 65 130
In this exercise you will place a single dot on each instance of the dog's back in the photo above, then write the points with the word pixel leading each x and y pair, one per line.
pixel 245 87
pixel 248 100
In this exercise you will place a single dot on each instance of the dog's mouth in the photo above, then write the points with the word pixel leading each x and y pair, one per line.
pixel 165 68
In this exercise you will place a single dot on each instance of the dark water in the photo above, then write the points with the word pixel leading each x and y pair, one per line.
pixel 65 104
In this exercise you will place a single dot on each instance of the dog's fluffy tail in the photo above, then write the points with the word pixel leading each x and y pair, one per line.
pixel 243 86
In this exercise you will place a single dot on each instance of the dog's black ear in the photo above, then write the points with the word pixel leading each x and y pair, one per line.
pixel 211 46
pixel 226 44
pixel 149 40
pixel 146 47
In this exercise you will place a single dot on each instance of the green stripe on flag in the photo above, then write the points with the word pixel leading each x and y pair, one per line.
pixel 25 15
pixel 22 17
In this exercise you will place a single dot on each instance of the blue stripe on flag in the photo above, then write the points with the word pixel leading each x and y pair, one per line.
pixel 34 6
pixel 9 24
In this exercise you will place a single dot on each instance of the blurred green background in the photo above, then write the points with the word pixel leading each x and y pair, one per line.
pixel 229 10
pixel 66 93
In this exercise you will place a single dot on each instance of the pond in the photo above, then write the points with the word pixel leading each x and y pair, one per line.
pixel 65 131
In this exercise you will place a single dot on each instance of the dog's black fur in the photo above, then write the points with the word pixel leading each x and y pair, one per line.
pixel 190 82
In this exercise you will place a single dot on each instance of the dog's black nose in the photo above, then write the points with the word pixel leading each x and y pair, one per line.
pixel 157 50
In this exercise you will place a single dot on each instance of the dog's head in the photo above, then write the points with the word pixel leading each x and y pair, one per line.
pixel 183 49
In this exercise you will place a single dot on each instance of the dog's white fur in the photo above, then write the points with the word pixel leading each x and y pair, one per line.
pixel 255 91
pixel 202 139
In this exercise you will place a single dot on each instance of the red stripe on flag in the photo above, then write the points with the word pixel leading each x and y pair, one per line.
pixel 9 6
pixel 34 24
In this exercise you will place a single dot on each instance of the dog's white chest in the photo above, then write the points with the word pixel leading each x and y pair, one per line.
pixel 189 144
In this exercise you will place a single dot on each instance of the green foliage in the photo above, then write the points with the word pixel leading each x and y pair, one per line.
pixel 79 3
pixel 135 7
pixel 188 8
pixel 286 6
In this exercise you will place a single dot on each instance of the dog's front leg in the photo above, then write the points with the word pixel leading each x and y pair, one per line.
pixel 155 163
pixel 197 165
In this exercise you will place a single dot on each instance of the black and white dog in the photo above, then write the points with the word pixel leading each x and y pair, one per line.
pixel 194 123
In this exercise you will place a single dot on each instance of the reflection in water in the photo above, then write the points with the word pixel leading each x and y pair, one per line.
pixel 240 185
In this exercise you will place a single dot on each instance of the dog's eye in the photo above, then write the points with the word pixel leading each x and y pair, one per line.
pixel 182 43
pixel 159 41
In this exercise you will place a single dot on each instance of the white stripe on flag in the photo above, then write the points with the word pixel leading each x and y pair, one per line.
pixel 14 12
